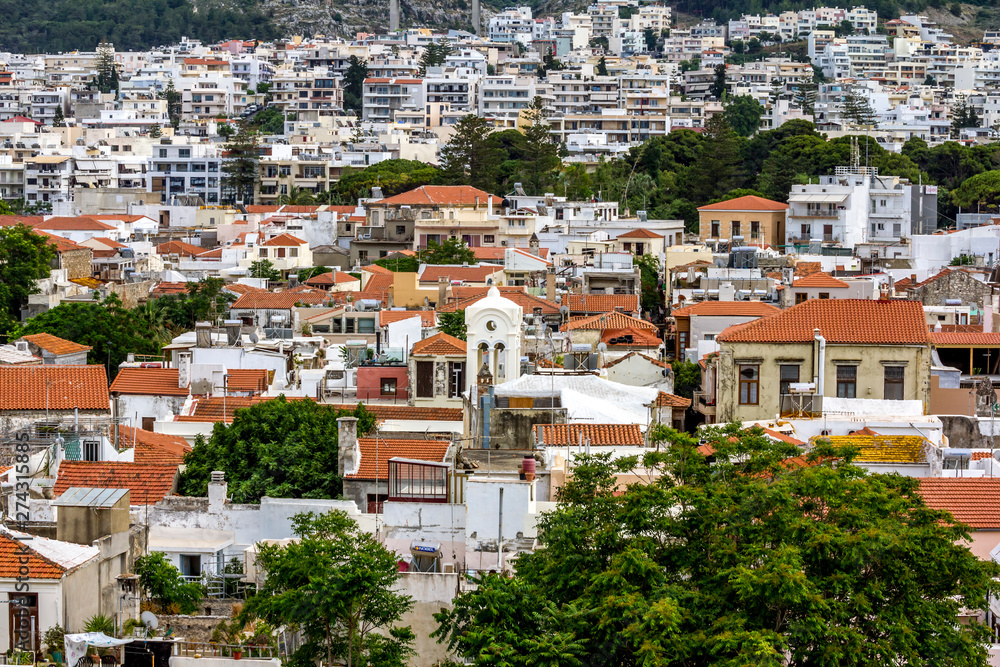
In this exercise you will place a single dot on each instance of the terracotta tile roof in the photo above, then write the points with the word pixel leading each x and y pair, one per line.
pixel 149 483
pixel 601 303
pixel 468 274
pixel 165 288
pixel 239 288
pixel 640 234
pixel 211 410
pixel 409 413
pixel 14 553
pixel 54 344
pixel 902 284
pixel 839 321
pixel 981 455
pixel 283 240
pixel 884 448
pixel 65 223
pixel 154 448
pixel 247 379
pixel 974 501
pixel 612 320
pixel 178 248
pixel 959 328
pixel 747 203
pixel 990 339
pixel 27 220
pixel 727 309
pixel 665 400
pixel 215 253
pixel 440 343
pixel 778 435
pixel 807 268
pixel 272 300
pixel 528 302
pixel 375 268
pixel 598 434
pixel 640 337
pixel 59 243
pixel 54 387
pixel 655 362
pixel 820 279
pixel 331 278
pixel 440 195
pixel 427 318
pixel 423 450
pixel 149 382
pixel 459 292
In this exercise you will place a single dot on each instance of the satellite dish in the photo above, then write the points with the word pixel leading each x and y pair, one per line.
pixel 149 619
pixel 564 310
pixel 602 347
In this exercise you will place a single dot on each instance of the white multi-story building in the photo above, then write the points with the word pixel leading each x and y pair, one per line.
pixel 503 98
pixel 185 169
pixel 512 25
pixel 382 98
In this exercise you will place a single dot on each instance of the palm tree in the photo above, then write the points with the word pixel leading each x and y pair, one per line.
pixel 153 316
pixel 297 197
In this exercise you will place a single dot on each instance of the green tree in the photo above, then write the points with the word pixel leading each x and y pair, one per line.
pixel 155 131
pixel 857 109
pixel 714 172
pixel 650 37
pixel 111 330
pixel 306 274
pixel 451 251
pixel 337 584
pixel 963 115
pixel 541 153
pixel 277 448
pixel 434 55
pixel 719 87
pixel 743 113
pixel 163 583
pixel 982 191
pixel 452 323
pixel 652 297
pixel 393 176
pixel 239 167
pixel 25 258
pixel 469 158
pixel 205 300
pixel 354 80
pixel 264 268
pixel 602 67
pixel 399 264
pixel 297 196
pixel 963 260
pixel 58 119
pixel 687 377
pixel 173 99
pixel 107 69
pixel 268 121
pixel 749 560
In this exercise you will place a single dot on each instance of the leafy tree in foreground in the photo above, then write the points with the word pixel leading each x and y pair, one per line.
pixel 25 258
pixel 264 268
pixel 743 115
pixel 760 558
pixel 164 584
pixel 687 377
pixel 279 448
pixel 452 251
pixel 240 165
pixel 399 263
pixel 336 584
pixel 453 324
pixel 354 79
pixel 468 158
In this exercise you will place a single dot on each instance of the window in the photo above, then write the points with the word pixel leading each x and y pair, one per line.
pixel 806 232
pixel 425 379
pixel 91 450
pixel 824 295
pixel 847 381
pixel 715 229
pixel 262 252
pixel 190 565
pixel 894 383
pixel 749 383
pixel 801 297
pixel 735 226
pixel 456 378
pixel 754 227
pixel 789 374
pixel 488 238
pixel 388 386
pixel 400 230
pixel 293 252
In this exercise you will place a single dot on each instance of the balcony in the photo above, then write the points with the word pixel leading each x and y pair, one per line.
pixel 802 406
pixel 704 403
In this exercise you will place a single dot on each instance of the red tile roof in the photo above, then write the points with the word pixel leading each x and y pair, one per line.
pixel 54 388
pixel 601 303
pixel 247 379
pixel 747 203
pixel 54 344
pixel 178 248
pixel 284 240
pixel 239 288
pixel 663 399
pixel 65 223
pixel 165 288
pixel 612 320
pixel 640 234
pixel 807 268
pixel 331 278
pixel 640 337
pixel 149 382
pixel 154 448
pixel 148 483
pixel 59 243
pixel 727 309
pixel 468 274
pixel 839 321
pixel 597 434
pixel 971 500
pixel 211 410
pixel 272 300
pixel 387 448
pixel 528 302
pixel 440 343
pixel 387 316
pixel 15 554
pixel 820 279
pixel 990 339
pixel 440 195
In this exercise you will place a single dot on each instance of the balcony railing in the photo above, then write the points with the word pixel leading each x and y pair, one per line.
pixel 800 405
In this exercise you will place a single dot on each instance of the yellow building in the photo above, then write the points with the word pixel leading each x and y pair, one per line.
pixel 755 220
pixel 440 212
pixel 844 348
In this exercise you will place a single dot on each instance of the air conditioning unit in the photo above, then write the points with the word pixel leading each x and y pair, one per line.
pixel 503 243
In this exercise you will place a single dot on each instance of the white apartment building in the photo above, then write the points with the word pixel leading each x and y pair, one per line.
pixel 511 25
pixel 382 98
pixel 48 178
pixel 502 98
pixel 604 19
pixel 185 169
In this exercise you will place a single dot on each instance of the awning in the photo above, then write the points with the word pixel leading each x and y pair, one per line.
pixel 821 198
pixel 76 645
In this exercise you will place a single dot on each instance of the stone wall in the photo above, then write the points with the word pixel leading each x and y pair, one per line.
pixel 511 428
pixel 955 285
pixel 78 263
pixel 131 293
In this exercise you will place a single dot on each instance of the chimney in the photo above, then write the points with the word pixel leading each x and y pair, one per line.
pixel 477 203
pixel 550 283
pixel 442 290
pixel 203 334
pixel 183 369
pixel 348 452
pixel 218 491
pixel 913 280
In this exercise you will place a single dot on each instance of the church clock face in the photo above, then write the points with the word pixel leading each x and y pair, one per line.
pixel 491 325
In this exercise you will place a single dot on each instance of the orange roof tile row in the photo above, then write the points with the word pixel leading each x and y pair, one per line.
pixel 427 317
pixel 247 379
pixel 639 337
pixel 663 399
pixel 746 203
pixel 55 345
pixel 612 320
pixel 54 388
pixel 601 303
pixel 839 321
pixel 154 448
pixel 440 195
pixel 971 500
pixel 640 234
pixel 149 382
pixel 552 435
pixel 272 300
pixel 727 309
pixel 528 302
pixel 467 274
pixel 967 338
pixel 284 240
pixel 149 484
pixel 387 448
pixel 15 554
pixel 820 279
pixel 440 343
pixel 178 248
